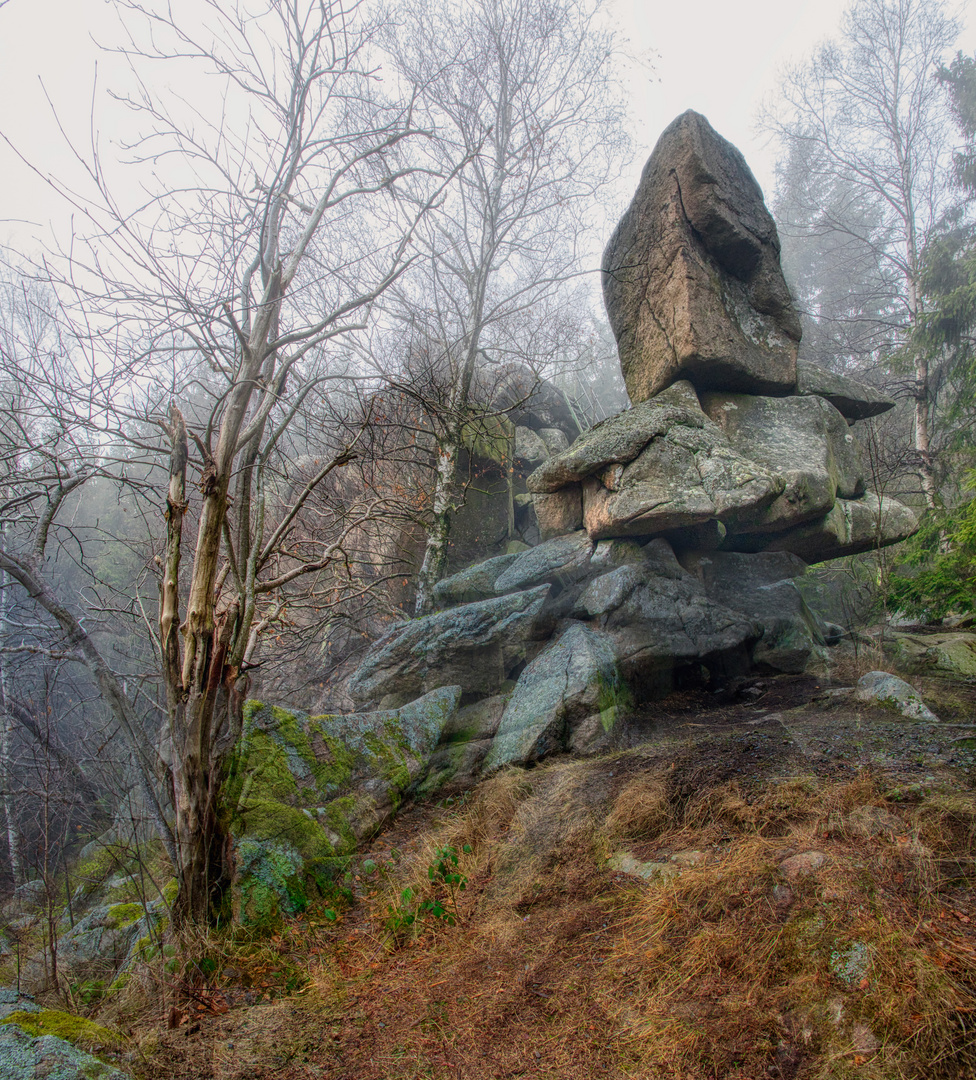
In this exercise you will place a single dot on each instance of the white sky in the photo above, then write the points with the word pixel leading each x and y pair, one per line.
pixel 720 57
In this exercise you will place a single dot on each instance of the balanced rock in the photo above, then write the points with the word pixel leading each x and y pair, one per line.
pixel 691 276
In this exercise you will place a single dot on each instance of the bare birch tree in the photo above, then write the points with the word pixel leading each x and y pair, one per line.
pixel 230 287
pixel 521 92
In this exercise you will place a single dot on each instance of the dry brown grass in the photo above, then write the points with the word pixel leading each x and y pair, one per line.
pixel 561 968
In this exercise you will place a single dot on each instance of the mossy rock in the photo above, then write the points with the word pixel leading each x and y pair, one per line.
pixel 307 789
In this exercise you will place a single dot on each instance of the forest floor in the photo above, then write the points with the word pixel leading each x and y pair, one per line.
pixel 776 882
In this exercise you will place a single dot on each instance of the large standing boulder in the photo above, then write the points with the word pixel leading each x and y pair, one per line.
pixel 474 645
pixel 803 439
pixel 691 276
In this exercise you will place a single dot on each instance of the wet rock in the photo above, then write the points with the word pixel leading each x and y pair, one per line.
pixel 803 439
pixel 850 528
pixel 559 561
pixel 475 582
pixel 559 513
pixel 762 586
pixel 573 677
pixel 950 656
pixel 691 275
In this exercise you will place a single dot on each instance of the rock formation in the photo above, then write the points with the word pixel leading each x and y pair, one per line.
pixel 672 533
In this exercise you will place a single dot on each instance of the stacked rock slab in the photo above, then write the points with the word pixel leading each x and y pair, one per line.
pixel 730 443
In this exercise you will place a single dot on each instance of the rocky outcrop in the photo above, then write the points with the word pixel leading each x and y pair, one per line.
pixel 474 645
pixel 691 275
pixel 731 444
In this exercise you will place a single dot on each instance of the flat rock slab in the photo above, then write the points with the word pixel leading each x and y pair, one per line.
pixel 573 678
pixel 473 645
pixel 851 527
pixel 852 398
pixel 558 561
pixel 691 276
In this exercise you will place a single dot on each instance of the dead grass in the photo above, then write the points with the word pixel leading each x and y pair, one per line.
pixel 561 968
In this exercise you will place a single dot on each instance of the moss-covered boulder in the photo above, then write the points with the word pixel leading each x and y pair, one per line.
pixel 307 789
pixel 36 1042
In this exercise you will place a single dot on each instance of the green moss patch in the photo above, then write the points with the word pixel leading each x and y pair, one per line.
pixel 76 1030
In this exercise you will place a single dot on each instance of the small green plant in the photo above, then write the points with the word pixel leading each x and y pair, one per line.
pixel 444 873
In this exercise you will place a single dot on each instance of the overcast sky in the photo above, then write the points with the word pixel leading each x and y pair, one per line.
pixel 717 56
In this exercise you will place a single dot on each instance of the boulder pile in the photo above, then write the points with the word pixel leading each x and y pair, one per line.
pixel 671 533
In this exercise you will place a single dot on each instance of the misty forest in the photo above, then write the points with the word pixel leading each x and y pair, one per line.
pixel 464 617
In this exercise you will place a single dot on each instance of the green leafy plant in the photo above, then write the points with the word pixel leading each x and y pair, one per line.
pixel 445 874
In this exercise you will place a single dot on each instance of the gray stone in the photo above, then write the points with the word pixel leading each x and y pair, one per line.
pixel 560 512
pixel 26 1057
pixel 529 400
pixel 473 583
pixel 851 527
pixel 554 439
pixel 660 616
pixel 762 586
pixel 806 864
pixel 881 688
pixel 574 676
pixel 475 646
pixel 691 275
pixel 561 560
pixel 624 862
pixel 529 448
pixel 803 439
pixel 851 397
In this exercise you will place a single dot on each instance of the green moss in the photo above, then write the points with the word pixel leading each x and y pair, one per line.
pixel 126 914
pixel 73 1029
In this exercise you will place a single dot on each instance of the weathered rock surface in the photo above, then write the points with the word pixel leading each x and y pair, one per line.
pixel 312 787
pixel 691 275
pixel 852 398
pixel 559 561
pixel 851 527
pixel 573 678
pixel 951 656
pixel 763 587
pixel 658 467
pixel 803 439
pixel 474 645
pixel 559 513
pixel 881 688
pixel 473 583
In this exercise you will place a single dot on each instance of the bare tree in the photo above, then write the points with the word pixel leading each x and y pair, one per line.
pixel 520 96
pixel 211 316
pixel 867 118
